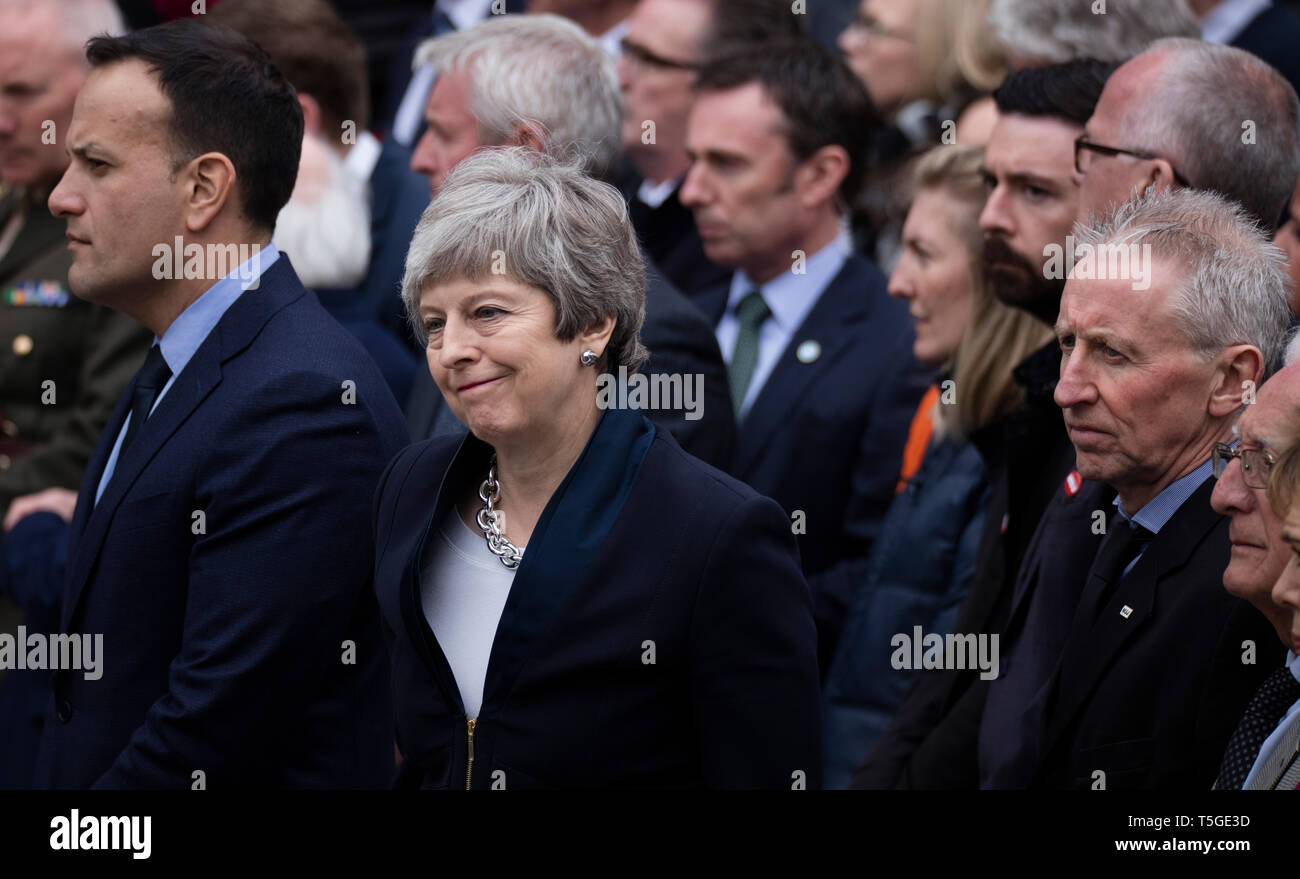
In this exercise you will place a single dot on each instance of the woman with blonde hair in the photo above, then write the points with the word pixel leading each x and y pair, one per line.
pixel 921 565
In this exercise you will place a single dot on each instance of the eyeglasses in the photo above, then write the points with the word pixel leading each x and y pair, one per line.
pixel 640 54
pixel 1082 147
pixel 1256 464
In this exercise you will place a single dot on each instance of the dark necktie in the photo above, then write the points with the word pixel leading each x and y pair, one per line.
pixel 750 314
pixel 149 383
pixel 1279 692
pixel 1123 544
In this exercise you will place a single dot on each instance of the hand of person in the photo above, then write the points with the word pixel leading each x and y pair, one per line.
pixel 60 501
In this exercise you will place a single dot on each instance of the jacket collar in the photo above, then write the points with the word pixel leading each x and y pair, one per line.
pixel 1091 648
pixel 565 543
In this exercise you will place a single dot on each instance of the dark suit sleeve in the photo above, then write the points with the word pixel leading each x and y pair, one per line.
pixel 284 564
pixel 114 348
pixel 754 685
pixel 681 342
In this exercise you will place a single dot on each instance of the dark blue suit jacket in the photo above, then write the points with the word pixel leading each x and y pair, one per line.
pixel 641 548
pixel 827 437
pixel 225 634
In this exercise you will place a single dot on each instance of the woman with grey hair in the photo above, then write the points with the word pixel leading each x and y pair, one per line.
pixel 569 598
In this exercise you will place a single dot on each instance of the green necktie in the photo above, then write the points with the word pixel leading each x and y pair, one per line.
pixel 750 314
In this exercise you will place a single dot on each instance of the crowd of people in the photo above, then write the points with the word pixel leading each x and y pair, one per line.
pixel 650 393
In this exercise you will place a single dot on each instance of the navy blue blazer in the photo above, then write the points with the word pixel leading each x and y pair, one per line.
pixel 826 436
pixel 1150 695
pixel 658 632
pixel 224 568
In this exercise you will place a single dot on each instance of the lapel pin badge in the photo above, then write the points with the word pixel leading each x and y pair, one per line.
pixel 1126 611
pixel 1073 483
pixel 808 351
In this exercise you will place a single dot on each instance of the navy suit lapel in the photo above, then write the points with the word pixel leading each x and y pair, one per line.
pixel 236 329
pixel 1091 648
pixel 566 539
pixel 835 323
pixel 565 542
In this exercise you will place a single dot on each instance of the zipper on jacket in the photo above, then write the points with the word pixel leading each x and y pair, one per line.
pixel 470 723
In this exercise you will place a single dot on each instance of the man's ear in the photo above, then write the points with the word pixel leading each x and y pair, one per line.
pixel 821 174
pixel 1161 176
pixel 1237 374
pixel 527 136
pixel 311 116
pixel 209 183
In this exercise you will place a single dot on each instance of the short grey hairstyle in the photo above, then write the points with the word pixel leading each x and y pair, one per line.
pixel 1226 120
pixel 542 71
pixel 546 224
pixel 79 20
pixel 1234 288
pixel 1055 31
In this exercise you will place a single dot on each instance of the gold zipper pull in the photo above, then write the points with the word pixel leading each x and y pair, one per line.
pixel 470 723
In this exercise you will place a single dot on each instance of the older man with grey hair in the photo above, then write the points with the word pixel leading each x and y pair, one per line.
pixel 1198 115
pixel 541 82
pixel 1038 32
pixel 1154 667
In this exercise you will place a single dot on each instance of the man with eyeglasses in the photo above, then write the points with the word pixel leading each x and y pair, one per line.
pixel 666 42
pixel 1187 113
pixel 1266 429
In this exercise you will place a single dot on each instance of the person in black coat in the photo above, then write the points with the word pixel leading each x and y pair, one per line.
pixel 1154 672
pixel 510 72
pixel 569 598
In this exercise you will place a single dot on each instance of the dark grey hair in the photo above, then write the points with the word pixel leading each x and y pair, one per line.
pixel 1234 287
pixel 1226 120
pixel 540 71
pixel 524 215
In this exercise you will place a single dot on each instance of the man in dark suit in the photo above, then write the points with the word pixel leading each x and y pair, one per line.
pixel 666 43
pixel 822 376
pixel 214 545
pixel 326 63
pixel 514 69
pixel 1258 572
pixel 1159 661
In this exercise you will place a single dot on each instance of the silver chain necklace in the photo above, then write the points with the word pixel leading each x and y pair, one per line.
pixel 490 493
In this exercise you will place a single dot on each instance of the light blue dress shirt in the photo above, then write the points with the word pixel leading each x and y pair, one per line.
pixel 1293 665
pixel 1160 509
pixel 180 340
pixel 790 297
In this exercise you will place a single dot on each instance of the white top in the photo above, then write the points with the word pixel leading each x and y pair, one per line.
pixel 463 590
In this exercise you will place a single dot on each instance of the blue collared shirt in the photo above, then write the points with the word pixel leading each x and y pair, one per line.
pixel 1293 664
pixel 790 297
pixel 1161 508
pixel 191 327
